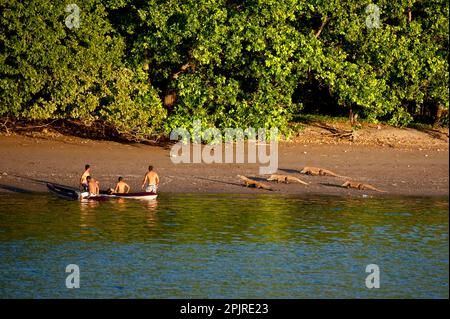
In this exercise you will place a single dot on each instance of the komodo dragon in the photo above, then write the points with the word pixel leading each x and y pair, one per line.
pixel 252 183
pixel 361 186
pixel 285 179
pixel 316 171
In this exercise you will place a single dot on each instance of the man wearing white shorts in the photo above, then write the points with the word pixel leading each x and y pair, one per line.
pixel 151 179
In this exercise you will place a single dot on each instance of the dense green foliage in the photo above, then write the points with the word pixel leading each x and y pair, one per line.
pixel 51 71
pixel 228 63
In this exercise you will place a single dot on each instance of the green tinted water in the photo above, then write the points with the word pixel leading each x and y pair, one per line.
pixel 224 246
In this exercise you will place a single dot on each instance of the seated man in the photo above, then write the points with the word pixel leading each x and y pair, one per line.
pixel 121 186
pixel 93 186
pixel 152 179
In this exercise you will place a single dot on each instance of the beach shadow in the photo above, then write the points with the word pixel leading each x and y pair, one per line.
pixel 433 133
pixel 218 181
pixel 42 182
pixel 328 127
pixel 331 185
pixel 15 189
pixel 258 179
pixel 290 171
pixel 34 180
pixel 165 143
pixel 96 131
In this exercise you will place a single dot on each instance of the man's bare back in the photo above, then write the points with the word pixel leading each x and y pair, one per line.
pixel 151 178
pixel 93 186
pixel 122 187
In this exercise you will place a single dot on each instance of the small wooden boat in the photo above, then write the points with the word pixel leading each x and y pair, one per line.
pixel 70 193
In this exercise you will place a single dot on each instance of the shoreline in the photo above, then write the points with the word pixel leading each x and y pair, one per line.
pixel 246 195
pixel 28 162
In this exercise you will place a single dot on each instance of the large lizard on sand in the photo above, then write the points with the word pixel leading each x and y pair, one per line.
pixel 285 179
pixel 252 183
pixel 361 186
pixel 316 171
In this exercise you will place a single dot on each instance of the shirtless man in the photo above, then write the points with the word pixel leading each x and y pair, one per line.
pixel 152 179
pixel 93 186
pixel 121 186
pixel 83 179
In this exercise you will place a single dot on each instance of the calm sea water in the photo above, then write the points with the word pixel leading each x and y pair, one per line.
pixel 224 246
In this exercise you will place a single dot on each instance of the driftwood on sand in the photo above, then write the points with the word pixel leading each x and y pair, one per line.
pixel 286 179
pixel 252 183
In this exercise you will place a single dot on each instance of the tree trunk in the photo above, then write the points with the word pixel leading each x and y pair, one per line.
pixel 352 117
pixel 183 68
pixel 324 21
pixel 146 65
pixel 170 98
pixel 438 115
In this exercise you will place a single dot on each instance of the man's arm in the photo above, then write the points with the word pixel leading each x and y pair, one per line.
pixel 144 181
pixel 128 187
pixel 157 179
pixel 117 188
pixel 81 182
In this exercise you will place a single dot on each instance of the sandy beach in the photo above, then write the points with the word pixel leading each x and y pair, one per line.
pixel 27 162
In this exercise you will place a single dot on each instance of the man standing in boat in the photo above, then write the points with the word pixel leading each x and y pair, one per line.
pixel 151 178
pixel 83 180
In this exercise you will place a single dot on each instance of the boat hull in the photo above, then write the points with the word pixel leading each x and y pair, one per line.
pixel 70 193
pixel 143 195
pixel 64 192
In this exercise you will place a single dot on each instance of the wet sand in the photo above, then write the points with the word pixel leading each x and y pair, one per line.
pixel 28 162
